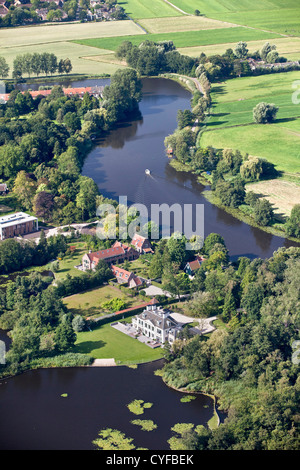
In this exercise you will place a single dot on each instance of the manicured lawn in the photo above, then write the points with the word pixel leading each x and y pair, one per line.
pixel 105 342
pixel 88 303
pixel 233 103
pixel 184 38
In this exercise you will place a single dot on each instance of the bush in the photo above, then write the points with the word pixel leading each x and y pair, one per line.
pixel 264 113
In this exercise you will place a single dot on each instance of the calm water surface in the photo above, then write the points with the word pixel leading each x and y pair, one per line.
pixel 118 166
pixel 34 416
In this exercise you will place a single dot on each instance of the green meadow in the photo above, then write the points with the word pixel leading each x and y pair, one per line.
pixel 148 9
pixel 184 38
pixel 275 15
pixel 231 122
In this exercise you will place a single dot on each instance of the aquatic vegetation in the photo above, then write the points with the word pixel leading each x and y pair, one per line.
pixel 146 424
pixel 187 398
pixel 137 406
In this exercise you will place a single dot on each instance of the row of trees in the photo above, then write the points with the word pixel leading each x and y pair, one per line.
pixel 152 58
pixel 36 64
pixel 16 255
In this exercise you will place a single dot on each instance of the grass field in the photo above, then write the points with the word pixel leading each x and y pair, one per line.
pixel 82 57
pixel 231 124
pixel 61 32
pixel 148 9
pixel 106 342
pixel 56 39
pixel 287 47
pixel 184 38
pixel 182 23
pixel 283 195
pixel 274 15
pixel 88 303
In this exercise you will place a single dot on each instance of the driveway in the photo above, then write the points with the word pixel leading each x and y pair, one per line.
pixel 204 324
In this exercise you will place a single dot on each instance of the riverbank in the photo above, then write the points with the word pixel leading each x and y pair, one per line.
pixel 237 213
pixel 215 421
pixel 193 85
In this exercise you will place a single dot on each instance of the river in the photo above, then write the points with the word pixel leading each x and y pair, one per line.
pixel 118 164
pixel 34 415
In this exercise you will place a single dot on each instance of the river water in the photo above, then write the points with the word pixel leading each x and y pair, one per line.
pixel 118 164
pixel 33 413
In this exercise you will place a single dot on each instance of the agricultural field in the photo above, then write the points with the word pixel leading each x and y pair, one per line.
pixel 283 195
pixel 57 39
pixel 287 47
pixel 273 15
pixel 106 342
pixel 182 23
pixel 148 9
pixel 185 38
pixel 231 123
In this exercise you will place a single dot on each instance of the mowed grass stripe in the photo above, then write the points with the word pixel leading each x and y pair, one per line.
pixel 184 39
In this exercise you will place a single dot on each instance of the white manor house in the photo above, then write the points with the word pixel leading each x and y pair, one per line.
pixel 157 324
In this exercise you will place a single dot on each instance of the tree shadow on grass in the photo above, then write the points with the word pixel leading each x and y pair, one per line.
pixel 88 346
pixel 285 120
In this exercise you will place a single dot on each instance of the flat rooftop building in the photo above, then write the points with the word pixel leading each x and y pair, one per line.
pixel 17 224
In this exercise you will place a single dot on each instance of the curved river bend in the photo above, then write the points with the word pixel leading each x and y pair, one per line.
pixel 34 415
pixel 118 166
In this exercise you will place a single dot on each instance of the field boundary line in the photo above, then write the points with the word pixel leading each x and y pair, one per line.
pixel 177 8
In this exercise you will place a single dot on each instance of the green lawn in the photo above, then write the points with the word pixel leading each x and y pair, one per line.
pixel 88 303
pixel 105 342
pixel 184 38
pixel 233 103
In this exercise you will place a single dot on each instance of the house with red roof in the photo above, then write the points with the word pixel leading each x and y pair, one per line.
pixel 126 277
pixel 141 244
pixel 118 253
pixel 192 266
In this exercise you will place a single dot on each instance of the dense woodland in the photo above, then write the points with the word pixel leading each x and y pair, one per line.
pixel 249 364
pixel 43 143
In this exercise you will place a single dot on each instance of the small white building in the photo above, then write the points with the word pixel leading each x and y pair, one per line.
pixel 157 324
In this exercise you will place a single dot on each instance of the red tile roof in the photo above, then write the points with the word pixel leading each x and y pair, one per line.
pixel 104 254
